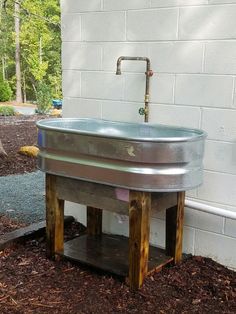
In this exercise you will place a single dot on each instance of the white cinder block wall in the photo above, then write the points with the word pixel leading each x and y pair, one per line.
pixel 192 47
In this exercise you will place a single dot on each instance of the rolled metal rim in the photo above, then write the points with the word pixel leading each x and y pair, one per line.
pixel 50 124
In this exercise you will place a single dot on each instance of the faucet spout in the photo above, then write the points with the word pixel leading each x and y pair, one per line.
pixel 143 111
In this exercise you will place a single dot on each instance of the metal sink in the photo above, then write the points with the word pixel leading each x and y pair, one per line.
pixel 139 156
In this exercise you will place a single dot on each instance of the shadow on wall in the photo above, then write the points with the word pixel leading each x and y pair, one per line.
pixel 197 23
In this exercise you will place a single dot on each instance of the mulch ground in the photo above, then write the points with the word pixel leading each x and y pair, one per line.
pixel 31 283
pixel 16 132
pixel 7 224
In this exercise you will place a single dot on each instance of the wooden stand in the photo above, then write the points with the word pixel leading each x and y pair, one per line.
pixel 133 257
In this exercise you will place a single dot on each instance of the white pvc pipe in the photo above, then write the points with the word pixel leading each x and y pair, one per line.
pixel 210 209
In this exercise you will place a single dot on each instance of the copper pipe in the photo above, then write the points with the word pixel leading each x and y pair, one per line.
pixel 148 74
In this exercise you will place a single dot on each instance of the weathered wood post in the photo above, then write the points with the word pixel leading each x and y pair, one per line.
pixel 54 217
pixel 139 229
pixel 94 221
pixel 174 228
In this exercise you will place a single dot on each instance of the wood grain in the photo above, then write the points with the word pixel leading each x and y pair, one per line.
pixel 137 204
pixel 174 228
pixel 109 253
pixel 139 229
pixel 105 197
pixel 94 221
pixel 54 218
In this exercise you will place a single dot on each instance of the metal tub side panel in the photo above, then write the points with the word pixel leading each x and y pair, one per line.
pixel 146 152
pixel 139 165
pixel 177 177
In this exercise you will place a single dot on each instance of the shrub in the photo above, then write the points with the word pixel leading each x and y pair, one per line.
pixel 5 91
pixel 43 98
pixel 7 111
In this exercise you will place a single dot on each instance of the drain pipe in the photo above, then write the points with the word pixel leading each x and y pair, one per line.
pixel 210 209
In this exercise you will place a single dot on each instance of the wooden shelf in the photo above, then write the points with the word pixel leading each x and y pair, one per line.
pixel 110 253
pixel 115 254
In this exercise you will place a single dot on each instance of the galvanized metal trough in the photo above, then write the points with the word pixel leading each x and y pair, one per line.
pixel 137 156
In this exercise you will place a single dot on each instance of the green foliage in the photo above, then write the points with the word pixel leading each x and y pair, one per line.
pixel 43 98
pixel 5 91
pixel 40 41
pixel 7 111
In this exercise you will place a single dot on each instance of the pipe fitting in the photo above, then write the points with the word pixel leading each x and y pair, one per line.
pixel 148 73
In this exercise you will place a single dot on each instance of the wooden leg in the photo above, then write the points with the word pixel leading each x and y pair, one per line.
pixel 139 229
pixel 174 228
pixel 54 218
pixel 94 221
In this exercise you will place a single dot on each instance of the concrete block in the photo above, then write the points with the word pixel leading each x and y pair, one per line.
pixel 200 220
pixel 114 224
pixel 161 87
pixel 158 232
pixel 230 227
pixel 159 214
pixel 103 26
pixel 71 27
pixel 218 247
pixel 77 211
pixel 157 235
pixel 71 83
pixel 218 187
pixel 188 240
pixel 121 111
pixel 220 57
pixel 207 22
pixel 220 156
pixel 79 56
pixel 175 115
pixel 112 51
pixel 134 87
pixel 191 193
pixel 219 124
pixel 152 25
pixel 177 57
pixel 234 94
pixel 204 90
pixel 72 6
pixel 102 85
pixel 112 5
pixel 221 1
pixel 170 3
pixel 81 108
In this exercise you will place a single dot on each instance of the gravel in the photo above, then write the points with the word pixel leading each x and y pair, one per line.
pixel 23 196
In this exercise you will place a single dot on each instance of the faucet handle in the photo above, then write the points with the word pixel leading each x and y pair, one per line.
pixel 141 111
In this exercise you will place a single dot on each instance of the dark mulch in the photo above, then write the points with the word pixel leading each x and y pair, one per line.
pixel 8 224
pixel 31 283
pixel 16 132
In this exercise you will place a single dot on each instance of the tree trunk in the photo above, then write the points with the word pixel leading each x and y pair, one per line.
pixel 24 89
pixel 3 56
pixel 17 53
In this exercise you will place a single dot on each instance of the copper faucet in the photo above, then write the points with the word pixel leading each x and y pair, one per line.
pixel 142 111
